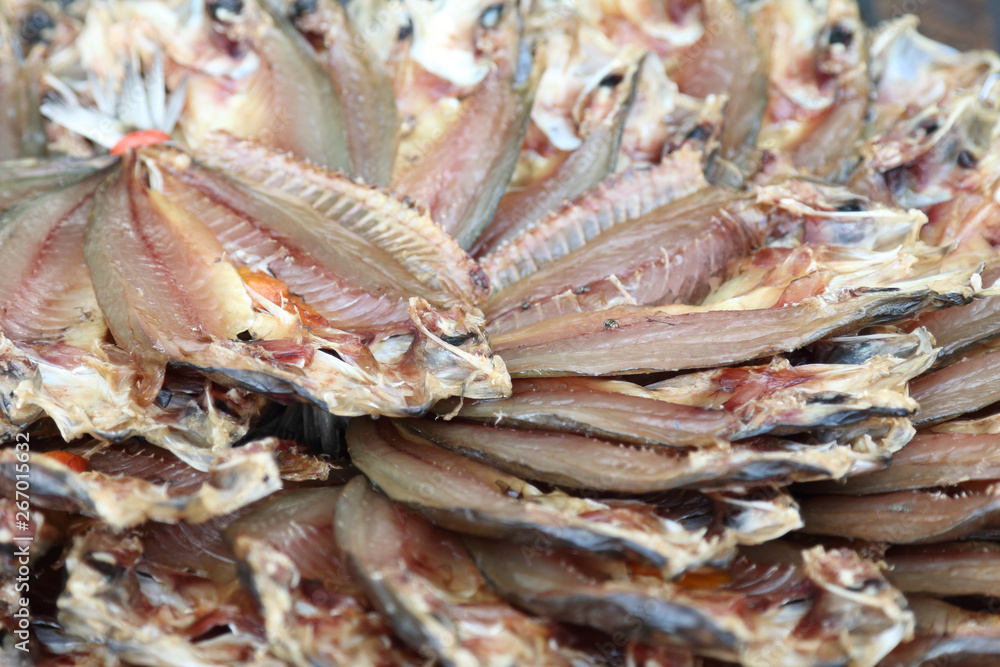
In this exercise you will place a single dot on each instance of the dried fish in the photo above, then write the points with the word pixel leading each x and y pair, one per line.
pixel 178 299
pixel 918 516
pixel 22 179
pixel 583 169
pixel 313 610
pixel 249 73
pixel 704 612
pixel 578 462
pixel 432 593
pixel 782 399
pixel 604 408
pixel 115 598
pixel 709 49
pixel 52 342
pixel 946 634
pixel 21 132
pixel 460 174
pixel 394 225
pixel 818 82
pixel 472 498
pixel 363 88
pixel 929 460
pixel 616 200
pixel 958 330
pixel 630 339
pixel 963 387
pixel 151 485
pixel 950 569
pixel 671 255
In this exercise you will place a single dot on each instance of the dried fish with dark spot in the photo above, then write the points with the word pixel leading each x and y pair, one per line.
pixel 818 82
pixel 460 173
pixel 782 399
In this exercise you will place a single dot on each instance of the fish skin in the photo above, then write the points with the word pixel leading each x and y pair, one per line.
pixel 965 386
pixel 948 569
pixel 929 460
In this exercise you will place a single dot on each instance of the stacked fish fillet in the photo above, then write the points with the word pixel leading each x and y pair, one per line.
pixel 482 334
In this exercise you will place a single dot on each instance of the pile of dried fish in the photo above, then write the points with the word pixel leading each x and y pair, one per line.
pixel 482 334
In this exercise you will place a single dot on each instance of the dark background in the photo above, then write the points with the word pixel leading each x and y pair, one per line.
pixel 966 24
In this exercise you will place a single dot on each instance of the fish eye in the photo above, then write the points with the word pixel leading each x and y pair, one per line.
pixel 406 30
pixel 491 16
pixel 611 80
pixel 840 34
pixel 222 10
pixel 34 24
pixel 301 7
